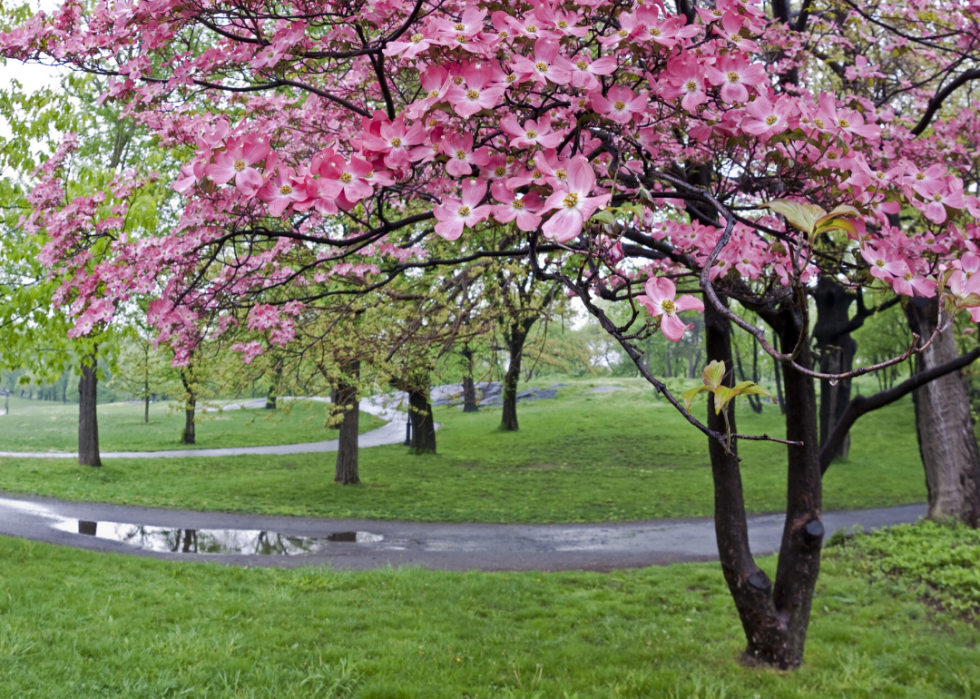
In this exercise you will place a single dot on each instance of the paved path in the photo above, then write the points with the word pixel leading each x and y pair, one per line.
pixel 254 540
pixel 384 406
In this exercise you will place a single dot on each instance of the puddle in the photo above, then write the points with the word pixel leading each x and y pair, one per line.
pixel 212 541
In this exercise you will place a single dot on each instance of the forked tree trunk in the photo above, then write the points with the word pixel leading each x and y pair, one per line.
pixel 944 424
pixel 515 344
pixel 774 616
pixel 423 427
pixel 469 389
pixel 348 401
pixel 88 416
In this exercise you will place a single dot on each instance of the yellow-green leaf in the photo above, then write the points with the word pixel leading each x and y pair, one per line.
pixel 713 374
pixel 802 216
pixel 689 396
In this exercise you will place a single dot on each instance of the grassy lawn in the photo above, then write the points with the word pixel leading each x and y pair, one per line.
pixel 49 426
pixel 77 624
pixel 582 457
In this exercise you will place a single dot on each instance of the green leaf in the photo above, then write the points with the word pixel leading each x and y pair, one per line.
pixel 801 216
pixel 713 374
pixel 689 396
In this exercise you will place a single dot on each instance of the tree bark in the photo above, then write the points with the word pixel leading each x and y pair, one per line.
pixel 774 617
pixel 423 428
pixel 348 401
pixel 469 389
pixel 515 344
pixel 88 416
pixel 944 424
pixel 835 350
pixel 190 408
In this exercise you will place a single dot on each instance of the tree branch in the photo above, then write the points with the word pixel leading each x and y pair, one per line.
pixel 861 405
pixel 937 101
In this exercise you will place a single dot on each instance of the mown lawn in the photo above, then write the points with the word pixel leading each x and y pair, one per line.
pixel 78 624
pixel 581 457
pixel 47 426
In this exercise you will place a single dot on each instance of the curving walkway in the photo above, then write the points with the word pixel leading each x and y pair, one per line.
pixel 257 540
pixel 382 406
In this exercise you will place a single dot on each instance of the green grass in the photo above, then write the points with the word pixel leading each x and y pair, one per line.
pixel 583 457
pixel 49 426
pixel 78 624
pixel 938 560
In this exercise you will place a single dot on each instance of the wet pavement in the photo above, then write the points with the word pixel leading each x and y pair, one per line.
pixel 254 540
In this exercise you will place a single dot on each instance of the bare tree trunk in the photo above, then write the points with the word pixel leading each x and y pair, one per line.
pixel 835 350
pixel 190 407
pixel 944 424
pixel 347 400
pixel 469 390
pixel 774 617
pixel 423 427
pixel 88 416
pixel 515 343
pixel 146 409
pixel 778 377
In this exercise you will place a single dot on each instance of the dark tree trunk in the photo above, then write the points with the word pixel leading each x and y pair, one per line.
pixel 515 344
pixel 146 409
pixel 423 427
pixel 835 350
pixel 774 617
pixel 944 424
pixel 778 376
pixel 189 409
pixel 348 401
pixel 270 400
pixel 469 389
pixel 88 416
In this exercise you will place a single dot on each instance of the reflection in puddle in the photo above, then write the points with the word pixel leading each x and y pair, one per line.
pixel 212 541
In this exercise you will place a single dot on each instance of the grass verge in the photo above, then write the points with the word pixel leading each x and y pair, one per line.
pixel 54 427
pixel 583 457
pixel 78 624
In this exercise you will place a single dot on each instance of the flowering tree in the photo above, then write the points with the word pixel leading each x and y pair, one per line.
pixel 632 149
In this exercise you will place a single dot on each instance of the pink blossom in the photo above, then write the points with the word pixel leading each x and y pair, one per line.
pixel 236 161
pixel 584 70
pixel 523 209
pixel 476 92
pixel 620 105
pixel 532 133
pixel 768 118
pixel 547 64
pixel 453 215
pixel 394 141
pixel 660 301
pixel 573 202
pixel 734 73
pixel 883 265
pixel 462 157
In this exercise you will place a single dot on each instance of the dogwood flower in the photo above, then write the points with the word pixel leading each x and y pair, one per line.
pixel 236 161
pixel 523 210
pixel 573 202
pixel 733 73
pixel 661 301
pixel 462 157
pixel 621 104
pixel 454 215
